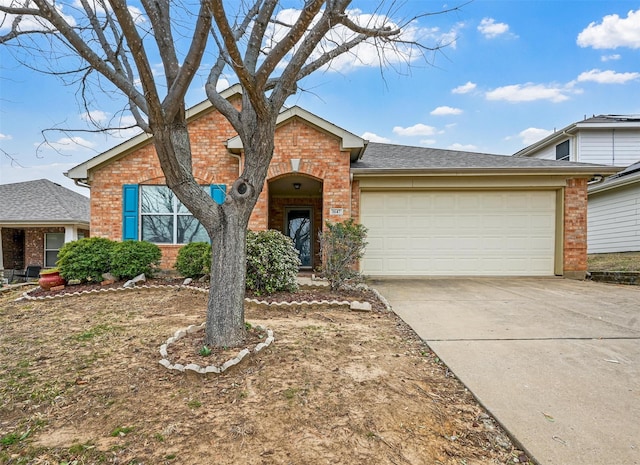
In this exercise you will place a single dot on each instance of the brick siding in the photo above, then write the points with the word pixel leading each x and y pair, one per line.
pixel 320 155
pixel 575 228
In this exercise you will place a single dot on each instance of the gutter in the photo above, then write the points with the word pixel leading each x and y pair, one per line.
pixel 564 171
pixel 614 184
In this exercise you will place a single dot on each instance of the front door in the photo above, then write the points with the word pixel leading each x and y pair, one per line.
pixel 299 228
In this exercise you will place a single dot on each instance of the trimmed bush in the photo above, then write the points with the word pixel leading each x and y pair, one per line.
pixel 194 260
pixel 85 259
pixel 342 245
pixel 272 262
pixel 128 259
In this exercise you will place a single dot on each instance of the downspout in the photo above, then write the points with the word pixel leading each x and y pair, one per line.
pixel 613 147
pixel 80 183
pixel 239 158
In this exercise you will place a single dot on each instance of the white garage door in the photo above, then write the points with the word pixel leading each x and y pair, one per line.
pixel 501 233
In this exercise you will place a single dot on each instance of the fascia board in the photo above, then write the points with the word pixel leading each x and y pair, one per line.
pixel 577 171
pixel 81 171
pixel 348 141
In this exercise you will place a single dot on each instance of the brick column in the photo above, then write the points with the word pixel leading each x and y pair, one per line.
pixel 575 229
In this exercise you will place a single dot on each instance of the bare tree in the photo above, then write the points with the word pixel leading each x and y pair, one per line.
pixel 266 51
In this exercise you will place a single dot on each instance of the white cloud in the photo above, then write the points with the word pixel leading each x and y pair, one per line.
pixel 612 32
pixel 613 57
pixel 490 29
pixel 5 136
pixel 372 137
pixel 445 111
pixel 415 130
pixel 95 116
pixel 367 53
pixel 68 144
pixel 464 89
pixel 532 135
pixel 607 77
pixel 427 141
pixel 463 147
pixel 30 23
pixel 531 92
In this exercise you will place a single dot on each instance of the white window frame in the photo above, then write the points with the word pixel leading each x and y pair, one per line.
pixel 47 264
pixel 175 214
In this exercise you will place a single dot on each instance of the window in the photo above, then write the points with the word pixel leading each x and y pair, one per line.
pixel 562 151
pixel 53 242
pixel 154 214
pixel 165 220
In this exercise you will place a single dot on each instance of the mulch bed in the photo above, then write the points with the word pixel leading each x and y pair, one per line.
pixel 308 294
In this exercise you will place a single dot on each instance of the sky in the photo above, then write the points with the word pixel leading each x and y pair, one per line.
pixel 511 73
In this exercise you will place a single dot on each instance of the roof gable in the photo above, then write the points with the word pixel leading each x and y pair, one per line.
pixel 595 122
pixel 348 141
pixel 42 201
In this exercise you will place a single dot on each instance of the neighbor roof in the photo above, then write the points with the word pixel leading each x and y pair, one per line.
pixel 595 122
pixel 401 159
pixel 630 175
pixel 42 202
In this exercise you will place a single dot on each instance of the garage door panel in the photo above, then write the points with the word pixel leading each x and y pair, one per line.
pixel 459 233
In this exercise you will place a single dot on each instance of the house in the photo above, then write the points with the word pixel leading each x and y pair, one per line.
pixel 613 220
pixel 428 211
pixel 36 219
pixel 614 204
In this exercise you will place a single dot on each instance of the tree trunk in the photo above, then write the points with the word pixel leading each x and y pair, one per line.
pixel 225 309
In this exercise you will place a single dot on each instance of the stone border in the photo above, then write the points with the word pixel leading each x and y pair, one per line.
pixel 355 305
pixel 192 367
pixel 179 334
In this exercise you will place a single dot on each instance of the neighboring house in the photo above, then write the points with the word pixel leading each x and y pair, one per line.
pixel 614 205
pixel 428 211
pixel 36 219
pixel 613 221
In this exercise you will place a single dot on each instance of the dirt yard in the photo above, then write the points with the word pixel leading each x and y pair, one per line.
pixel 80 383
pixel 623 261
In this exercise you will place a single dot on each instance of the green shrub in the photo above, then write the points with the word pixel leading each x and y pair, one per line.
pixel 130 258
pixel 272 262
pixel 194 260
pixel 342 245
pixel 85 259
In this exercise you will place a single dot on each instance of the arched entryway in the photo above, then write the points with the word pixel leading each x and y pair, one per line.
pixel 295 209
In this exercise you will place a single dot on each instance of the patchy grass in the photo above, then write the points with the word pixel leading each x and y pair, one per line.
pixel 81 384
pixel 624 261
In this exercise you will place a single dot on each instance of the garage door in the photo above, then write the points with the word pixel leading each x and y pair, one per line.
pixel 497 233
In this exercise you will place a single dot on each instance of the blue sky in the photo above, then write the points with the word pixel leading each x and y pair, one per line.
pixel 514 71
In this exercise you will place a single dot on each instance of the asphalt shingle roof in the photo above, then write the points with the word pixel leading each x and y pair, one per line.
pixel 41 201
pixel 379 156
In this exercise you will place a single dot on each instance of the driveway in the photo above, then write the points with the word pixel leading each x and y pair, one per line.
pixel 556 361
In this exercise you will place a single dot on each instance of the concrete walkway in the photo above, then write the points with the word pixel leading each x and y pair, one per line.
pixel 555 361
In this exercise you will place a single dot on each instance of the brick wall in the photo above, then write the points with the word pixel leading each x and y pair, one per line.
pixel 575 228
pixel 320 157
pixel 319 153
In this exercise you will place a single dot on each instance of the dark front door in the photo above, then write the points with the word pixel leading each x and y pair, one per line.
pixel 299 228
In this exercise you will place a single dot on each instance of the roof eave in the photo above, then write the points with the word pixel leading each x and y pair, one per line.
pixel 615 184
pixel 586 171
pixel 43 223
pixel 81 171
pixel 562 133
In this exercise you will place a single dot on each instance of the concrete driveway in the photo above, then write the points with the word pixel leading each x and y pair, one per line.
pixel 556 361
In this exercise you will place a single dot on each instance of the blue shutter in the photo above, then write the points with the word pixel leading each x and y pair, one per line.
pixel 218 193
pixel 130 212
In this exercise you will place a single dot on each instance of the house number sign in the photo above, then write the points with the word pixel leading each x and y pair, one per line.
pixel 336 211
